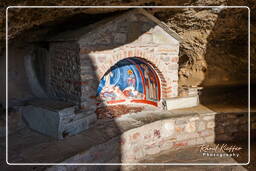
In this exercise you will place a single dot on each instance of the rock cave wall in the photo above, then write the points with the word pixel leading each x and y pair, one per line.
pixel 213 51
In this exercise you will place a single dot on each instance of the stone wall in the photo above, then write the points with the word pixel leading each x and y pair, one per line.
pixel 174 133
pixel 151 138
pixel 165 135
pixel 64 71
pixel 233 126
pixel 131 36
pixel 184 131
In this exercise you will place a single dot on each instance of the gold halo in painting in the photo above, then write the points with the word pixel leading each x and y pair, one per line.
pixel 129 72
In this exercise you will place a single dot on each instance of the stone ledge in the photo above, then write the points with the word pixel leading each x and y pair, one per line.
pixel 55 120
pixel 143 137
pixel 104 140
pixel 182 102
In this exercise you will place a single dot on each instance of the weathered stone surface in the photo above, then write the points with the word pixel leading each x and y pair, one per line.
pixel 105 43
pixel 55 121
pixel 186 136
pixel 132 141
pixel 64 76
pixel 166 144
pixel 210 139
pixel 182 102
pixel 168 128
pixel 211 124
pixel 49 120
pixel 190 127
pixel 209 117
pixel 201 126
pixel 231 126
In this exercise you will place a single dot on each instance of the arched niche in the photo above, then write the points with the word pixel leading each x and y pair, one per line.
pixel 131 80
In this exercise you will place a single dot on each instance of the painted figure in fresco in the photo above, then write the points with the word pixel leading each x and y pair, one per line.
pixel 125 82
pixel 130 91
pixel 107 79
pixel 153 85
pixel 131 79
pixel 150 83
pixel 145 73
pixel 107 90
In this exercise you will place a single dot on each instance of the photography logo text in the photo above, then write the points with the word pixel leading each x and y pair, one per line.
pixel 220 150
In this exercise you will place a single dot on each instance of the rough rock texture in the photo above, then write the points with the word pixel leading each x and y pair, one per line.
pixel 215 45
pixel 214 50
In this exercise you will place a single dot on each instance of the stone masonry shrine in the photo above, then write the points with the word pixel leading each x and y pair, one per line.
pixel 121 86
pixel 127 59
pixel 134 56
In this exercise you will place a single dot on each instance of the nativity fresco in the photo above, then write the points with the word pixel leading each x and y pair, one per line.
pixel 130 80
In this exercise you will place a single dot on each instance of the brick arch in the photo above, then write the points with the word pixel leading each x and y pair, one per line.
pixel 157 64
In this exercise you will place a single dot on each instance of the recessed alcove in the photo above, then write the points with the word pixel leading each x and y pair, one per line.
pixel 131 80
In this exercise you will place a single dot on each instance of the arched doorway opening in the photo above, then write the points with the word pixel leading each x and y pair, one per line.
pixel 131 80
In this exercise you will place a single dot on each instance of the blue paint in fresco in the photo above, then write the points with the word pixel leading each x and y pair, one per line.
pixel 119 77
pixel 124 80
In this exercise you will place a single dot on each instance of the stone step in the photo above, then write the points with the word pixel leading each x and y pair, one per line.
pixel 56 118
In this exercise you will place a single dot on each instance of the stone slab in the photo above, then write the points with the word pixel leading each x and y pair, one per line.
pixel 182 102
pixel 42 120
pixel 56 119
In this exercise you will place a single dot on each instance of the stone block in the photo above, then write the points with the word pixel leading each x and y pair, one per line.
pixel 200 140
pixel 207 132
pixel 209 117
pixel 192 142
pixel 168 128
pixel 139 152
pixel 57 122
pixel 179 128
pixel 182 102
pixel 194 118
pixel 173 67
pixel 186 136
pixel 79 125
pixel 210 124
pixel 201 126
pixel 42 120
pixel 179 144
pixel 181 121
pixel 166 144
pixel 146 38
pixel 151 149
pixel 161 37
pixel 210 139
pixel 190 127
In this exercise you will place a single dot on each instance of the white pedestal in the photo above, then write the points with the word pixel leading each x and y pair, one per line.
pixel 182 102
